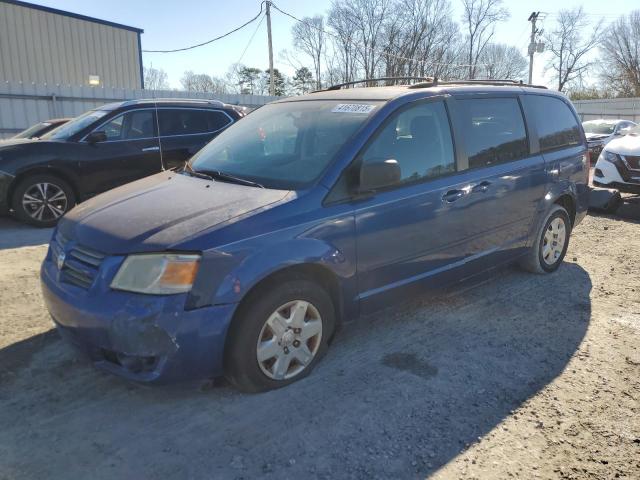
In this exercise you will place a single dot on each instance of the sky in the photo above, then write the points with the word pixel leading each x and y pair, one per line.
pixel 170 24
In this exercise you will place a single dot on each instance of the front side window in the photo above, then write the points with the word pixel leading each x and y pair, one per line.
pixel 175 121
pixel 285 145
pixel 494 131
pixel 557 126
pixel 419 139
pixel 130 126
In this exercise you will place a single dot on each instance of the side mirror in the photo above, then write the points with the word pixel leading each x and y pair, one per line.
pixel 96 137
pixel 379 174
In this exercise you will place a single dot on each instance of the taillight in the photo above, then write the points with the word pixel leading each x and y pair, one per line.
pixel 587 166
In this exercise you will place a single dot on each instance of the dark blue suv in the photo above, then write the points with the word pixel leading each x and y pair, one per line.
pixel 310 211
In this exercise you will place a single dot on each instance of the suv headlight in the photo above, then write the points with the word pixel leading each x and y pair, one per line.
pixel 157 274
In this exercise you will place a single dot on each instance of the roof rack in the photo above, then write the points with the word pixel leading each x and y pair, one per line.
pixel 371 80
pixel 496 82
pixel 136 101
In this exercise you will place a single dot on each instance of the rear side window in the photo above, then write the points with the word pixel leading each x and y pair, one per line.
pixel 494 131
pixel 190 121
pixel 557 126
pixel 419 139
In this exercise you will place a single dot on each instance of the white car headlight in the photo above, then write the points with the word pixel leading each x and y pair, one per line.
pixel 609 156
pixel 157 274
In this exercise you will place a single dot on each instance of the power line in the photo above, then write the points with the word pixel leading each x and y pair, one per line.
pixel 250 40
pixel 213 39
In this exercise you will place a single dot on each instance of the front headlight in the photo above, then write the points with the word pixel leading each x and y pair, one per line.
pixel 157 274
pixel 609 156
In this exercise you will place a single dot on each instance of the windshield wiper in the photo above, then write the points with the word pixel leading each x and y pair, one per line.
pixel 230 178
pixel 189 169
pixel 213 174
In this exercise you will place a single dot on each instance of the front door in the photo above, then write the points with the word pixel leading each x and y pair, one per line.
pixel 130 151
pixel 416 229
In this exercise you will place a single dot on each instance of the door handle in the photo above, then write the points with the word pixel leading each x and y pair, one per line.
pixel 453 195
pixel 482 187
pixel 151 149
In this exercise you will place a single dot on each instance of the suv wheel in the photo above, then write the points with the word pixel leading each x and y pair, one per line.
pixel 41 200
pixel 278 336
pixel 550 246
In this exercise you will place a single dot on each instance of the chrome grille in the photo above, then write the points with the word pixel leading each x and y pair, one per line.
pixel 81 264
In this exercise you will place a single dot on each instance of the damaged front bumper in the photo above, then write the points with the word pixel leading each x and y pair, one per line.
pixel 140 337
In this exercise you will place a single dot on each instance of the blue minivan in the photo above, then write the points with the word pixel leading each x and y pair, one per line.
pixel 307 213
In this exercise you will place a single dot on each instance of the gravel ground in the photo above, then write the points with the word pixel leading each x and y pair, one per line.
pixel 517 376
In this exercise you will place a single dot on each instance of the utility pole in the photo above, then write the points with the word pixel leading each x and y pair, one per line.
pixel 272 85
pixel 532 45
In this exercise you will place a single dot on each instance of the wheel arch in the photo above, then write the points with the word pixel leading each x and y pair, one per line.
pixel 42 170
pixel 315 272
pixel 568 202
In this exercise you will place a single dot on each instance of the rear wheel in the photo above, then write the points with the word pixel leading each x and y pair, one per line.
pixel 549 248
pixel 41 200
pixel 278 335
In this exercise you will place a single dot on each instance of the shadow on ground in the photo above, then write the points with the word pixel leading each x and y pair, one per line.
pixel 399 395
pixel 16 234
pixel 629 209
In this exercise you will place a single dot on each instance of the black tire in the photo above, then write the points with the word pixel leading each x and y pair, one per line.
pixel 241 364
pixel 50 216
pixel 534 261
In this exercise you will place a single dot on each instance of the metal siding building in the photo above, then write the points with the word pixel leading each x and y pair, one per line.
pixel 44 45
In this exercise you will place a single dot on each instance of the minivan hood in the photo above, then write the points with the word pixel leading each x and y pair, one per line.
pixel 627 145
pixel 159 211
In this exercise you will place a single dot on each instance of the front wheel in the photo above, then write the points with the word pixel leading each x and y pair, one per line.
pixel 41 200
pixel 551 242
pixel 278 335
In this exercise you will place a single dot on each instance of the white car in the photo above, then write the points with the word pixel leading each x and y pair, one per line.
pixel 600 132
pixel 618 165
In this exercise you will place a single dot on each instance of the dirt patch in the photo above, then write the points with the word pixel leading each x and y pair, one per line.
pixel 522 375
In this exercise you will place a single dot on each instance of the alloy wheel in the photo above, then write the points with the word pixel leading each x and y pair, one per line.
pixel 289 340
pixel 44 201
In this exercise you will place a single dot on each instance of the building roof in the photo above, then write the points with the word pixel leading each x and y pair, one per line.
pixel 72 15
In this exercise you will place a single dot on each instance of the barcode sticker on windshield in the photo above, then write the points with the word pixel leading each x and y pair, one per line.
pixel 353 108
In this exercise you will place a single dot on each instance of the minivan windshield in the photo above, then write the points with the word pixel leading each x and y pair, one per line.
pixel 599 127
pixel 284 145
pixel 74 126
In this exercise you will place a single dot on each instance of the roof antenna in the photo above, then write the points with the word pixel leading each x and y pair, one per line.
pixel 155 104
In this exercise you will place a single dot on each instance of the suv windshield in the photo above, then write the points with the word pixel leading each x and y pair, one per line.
pixel 600 128
pixel 74 126
pixel 284 145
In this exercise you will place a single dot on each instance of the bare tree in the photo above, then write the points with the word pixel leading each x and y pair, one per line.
pixel 503 62
pixel 570 42
pixel 367 20
pixel 419 38
pixel 155 79
pixel 621 55
pixel 201 82
pixel 309 38
pixel 343 38
pixel 480 18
